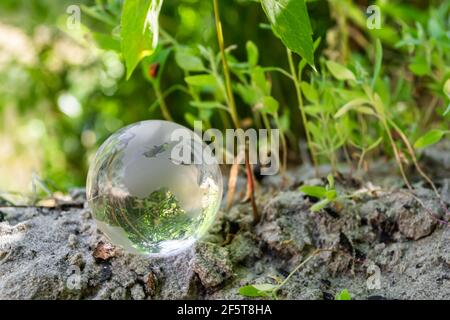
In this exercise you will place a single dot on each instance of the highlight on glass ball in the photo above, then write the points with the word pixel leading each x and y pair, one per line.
pixel 154 188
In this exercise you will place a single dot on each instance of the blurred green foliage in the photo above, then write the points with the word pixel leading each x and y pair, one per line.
pixel 60 96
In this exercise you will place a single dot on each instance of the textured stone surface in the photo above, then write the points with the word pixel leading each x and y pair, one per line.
pixel 287 224
pixel 57 253
pixel 402 212
pixel 437 158
pixel 54 254
pixel 212 265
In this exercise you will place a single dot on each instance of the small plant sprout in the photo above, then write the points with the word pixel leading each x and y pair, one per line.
pixel 343 295
pixel 326 195
pixel 270 290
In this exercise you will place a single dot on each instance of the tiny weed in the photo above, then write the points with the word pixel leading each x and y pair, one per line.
pixel 343 295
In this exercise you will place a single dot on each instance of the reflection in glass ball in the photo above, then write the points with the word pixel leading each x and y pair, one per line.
pixel 146 201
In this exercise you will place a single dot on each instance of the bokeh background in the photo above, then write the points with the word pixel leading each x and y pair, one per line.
pixel 61 97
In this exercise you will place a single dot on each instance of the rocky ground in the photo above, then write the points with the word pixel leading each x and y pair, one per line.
pixel 385 244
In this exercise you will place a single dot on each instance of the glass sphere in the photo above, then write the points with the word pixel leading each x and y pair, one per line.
pixel 144 199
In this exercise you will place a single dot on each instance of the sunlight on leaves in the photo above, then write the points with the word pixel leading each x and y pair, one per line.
pixel 340 72
pixel 290 22
pixel 139 31
pixel 429 139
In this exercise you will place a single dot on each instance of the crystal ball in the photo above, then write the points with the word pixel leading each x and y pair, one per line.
pixel 147 195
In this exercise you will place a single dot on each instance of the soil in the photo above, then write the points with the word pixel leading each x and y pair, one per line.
pixel 385 243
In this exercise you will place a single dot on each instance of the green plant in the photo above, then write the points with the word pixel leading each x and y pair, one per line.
pixel 326 195
pixel 430 138
pixel 285 18
pixel 343 295
pixel 348 109
pixel 358 93
pixel 427 44
pixel 271 290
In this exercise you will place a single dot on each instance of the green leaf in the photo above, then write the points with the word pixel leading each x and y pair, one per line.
pixel 309 92
pixel 446 112
pixel 353 104
pixel 447 93
pixel 249 291
pixel 247 94
pixel 430 138
pixel 139 31
pixel 314 191
pixel 253 291
pixel 365 110
pixel 344 295
pixel 447 88
pixel 207 105
pixel 188 61
pixel 320 205
pixel 99 14
pixel 331 194
pixel 201 80
pixel 435 29
pixel 152 67
pixel 265 287
pixel 259 81
pixel 419 66
pixel 205 114
pixel 285 122
pixel 378 62
pixel 375 144
pixel 290 22
pixel 252 54
pixel 316 132
pixel 314 110
pixel 270 105
pixel 340 72
pixel 330 179
pixel 190 119
pixel 106 42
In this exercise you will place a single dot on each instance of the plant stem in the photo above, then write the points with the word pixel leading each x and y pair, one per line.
pixel 251 186
pixel 313 255
pixel 282 71
pixel 397 155
pixel 266 123
pixel 231 101
pixel 302 111
pixel 284 146
pixel 226 69
pixel 414 158
pixel 341 21
pixel 162 103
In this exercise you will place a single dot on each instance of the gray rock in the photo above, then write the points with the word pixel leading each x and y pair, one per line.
pixel 243 247
pixel 212 264
pixel 437 158
pixel 48 254
pixel 445 191
pixel 54 253
pixel 401 211
pixel 287 224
